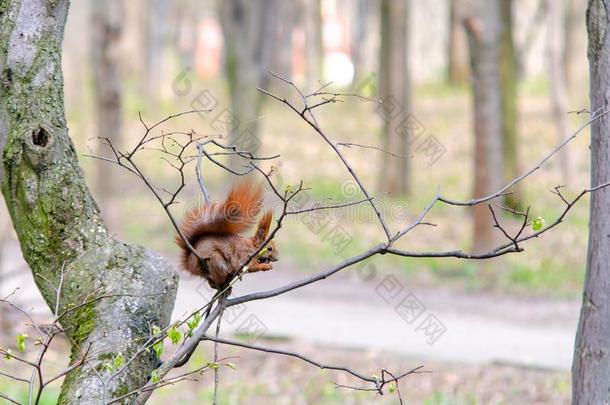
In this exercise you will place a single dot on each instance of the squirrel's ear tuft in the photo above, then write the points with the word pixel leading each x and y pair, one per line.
pixel 263 227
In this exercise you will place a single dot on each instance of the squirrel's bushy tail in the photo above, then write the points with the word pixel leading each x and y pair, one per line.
pixel 234 216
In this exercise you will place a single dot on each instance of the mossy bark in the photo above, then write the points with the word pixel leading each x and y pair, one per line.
pixel 128 288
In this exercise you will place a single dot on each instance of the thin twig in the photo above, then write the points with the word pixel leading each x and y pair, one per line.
pixel 350 144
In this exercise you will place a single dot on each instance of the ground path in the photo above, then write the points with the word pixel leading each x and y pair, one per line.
pixel 349 312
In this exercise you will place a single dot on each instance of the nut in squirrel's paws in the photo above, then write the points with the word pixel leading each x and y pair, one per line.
pixel 268 255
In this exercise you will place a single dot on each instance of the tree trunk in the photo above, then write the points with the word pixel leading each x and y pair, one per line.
pixel 281 62
pixel 591 367
pixel 557 78
pixel 509 99
pixel 395 93
pixel 360 31
pixel 106 25
pixel 249 42
pixel 574 23
pixel 314 51
pixel 76 77
pixel 135 39
pixel 187 15
pixel 156 14
pixel 483 27
pixel 57 221
pixel 458 71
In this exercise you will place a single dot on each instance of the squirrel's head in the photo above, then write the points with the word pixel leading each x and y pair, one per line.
pixel 268 254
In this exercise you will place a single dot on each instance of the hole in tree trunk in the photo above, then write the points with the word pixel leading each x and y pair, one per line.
pixel 40 137
pixel 7 77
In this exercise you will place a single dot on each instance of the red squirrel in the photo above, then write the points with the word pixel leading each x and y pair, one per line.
pixel 215 232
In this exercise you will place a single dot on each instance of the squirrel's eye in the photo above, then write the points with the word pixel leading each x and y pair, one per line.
pixel 270 248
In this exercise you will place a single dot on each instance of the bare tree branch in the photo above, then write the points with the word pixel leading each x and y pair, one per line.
pixel 378 384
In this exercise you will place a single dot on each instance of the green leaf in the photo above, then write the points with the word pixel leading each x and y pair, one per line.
pixel 193 322
pixel 8 354
pixel 213 365
pixel 118 361
pixel 174 335
pixel 392 386
pixel 21 342
pixel 158 348
pixel 538 224
pixel 154 377
pixel 231 366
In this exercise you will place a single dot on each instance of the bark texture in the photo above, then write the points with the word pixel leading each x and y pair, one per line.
pixel 591 367
pixel 126 289
pixel 483 27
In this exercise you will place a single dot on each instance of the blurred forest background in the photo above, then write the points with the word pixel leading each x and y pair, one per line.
pixel 427 66
pixel 164 57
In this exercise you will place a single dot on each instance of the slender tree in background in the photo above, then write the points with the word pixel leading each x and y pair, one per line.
pixel 458 70
pixel 591 367
pixel 509 101
pixel 187 15
pixel 557 78
pixel 75 75
pixel 314 48
pixel 249 30
pixel 483 26
pixel 281 62
pixel 574 26
pixel 394 86
pixel 135 45
pixel 363 9
pixel 529 38
pixel 156 38
pixel 365 46
pixel 106 25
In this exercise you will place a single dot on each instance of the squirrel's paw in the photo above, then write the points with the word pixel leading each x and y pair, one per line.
pixel 260 267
